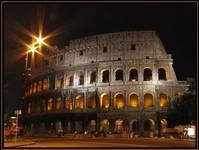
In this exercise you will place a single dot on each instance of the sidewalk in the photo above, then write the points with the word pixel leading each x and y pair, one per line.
pixel 18 143
pixel 81 136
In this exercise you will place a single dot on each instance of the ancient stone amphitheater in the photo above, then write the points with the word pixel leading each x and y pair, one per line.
pixel 113 82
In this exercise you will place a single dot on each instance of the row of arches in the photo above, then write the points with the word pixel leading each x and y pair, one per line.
pixel 133 100
pixel 69 103
pixel 116 125
pixel 133 125
pixel 133 74
pixel 58 81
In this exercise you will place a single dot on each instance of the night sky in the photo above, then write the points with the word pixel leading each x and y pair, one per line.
pixel 174 23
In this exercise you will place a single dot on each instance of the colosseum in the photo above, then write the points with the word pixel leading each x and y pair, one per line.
pixel 111 82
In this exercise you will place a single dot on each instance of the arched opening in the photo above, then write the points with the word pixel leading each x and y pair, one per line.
pixel 45 84
pixel 29 107
pixel 58 103
pixel 35 88
pixel 148 100
pixel 92 126
pixel 43 105
pixel 31 89
pixel 119 101
pixel 59 82
pixel 79 102
pixel 70 81
pixel 105 76
pixel 93 77
pixel 163 100
pixel 104 103
pixel 78 126
pixel 149 125
pixel 119 75
pixel 147 74
pixel 81 79
pixel 133 75
pixel 68 103
pixel 92 102
pixel 50 104
pixel 162 74
pixel 119 126
pixel 37 106
pixel 39 86
pixel 133 100
pixel 163 123
pixel 104 125
pixel 134 125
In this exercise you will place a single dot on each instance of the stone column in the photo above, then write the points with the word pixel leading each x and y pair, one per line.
pixel 85 100
pixel 64 82
pixel 156 98
pixel 155 72
pixel 111 98
pixel 86 77
pixel 140 73
pixel 99 75
pixel 126 100
pixel 73 99
pixel 111 74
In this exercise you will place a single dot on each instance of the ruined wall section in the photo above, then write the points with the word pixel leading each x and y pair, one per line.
pixel 140 47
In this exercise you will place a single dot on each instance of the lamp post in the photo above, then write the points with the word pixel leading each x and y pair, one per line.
pixel 17 112
pixel 32 50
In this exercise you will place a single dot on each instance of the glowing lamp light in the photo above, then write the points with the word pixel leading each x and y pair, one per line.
pixel 12 117
pixel 33 49
pixel 191 131
pixel 40 40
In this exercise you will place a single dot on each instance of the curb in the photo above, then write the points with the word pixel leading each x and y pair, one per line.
pixel 32 143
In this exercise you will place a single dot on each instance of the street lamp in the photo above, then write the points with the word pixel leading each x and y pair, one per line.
pixel 32 50
pixel 40 40
pixel 17 112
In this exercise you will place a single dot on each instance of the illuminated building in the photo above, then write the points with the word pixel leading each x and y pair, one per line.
pixel 111 81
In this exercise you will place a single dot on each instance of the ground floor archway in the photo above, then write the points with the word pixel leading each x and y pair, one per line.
pixel 149 125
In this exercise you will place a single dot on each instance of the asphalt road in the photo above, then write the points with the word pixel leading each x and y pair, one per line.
pixel 111 142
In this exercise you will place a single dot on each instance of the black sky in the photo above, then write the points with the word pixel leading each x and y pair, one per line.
pixel 174 23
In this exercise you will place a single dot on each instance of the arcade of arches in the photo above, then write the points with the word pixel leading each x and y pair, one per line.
pixel 68 103
pixel 115 126
pixel 162 74
pixel 92 102
pixel 119 125
pixel 104 101
pixel 147 74
pixel 70 81
pixel 133 100
pixel 105 76
pixel 104 125
pixel 79 102
pixel 148 100
pixel 133 75
pixel 58 83
pixel 50 104
pixel 93 77
pixel 119 74
pixel 119 101
pixel 163 100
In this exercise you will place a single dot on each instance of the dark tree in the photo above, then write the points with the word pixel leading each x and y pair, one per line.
pixel 181 109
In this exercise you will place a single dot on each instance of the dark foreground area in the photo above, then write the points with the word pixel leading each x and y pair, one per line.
pixel 63 142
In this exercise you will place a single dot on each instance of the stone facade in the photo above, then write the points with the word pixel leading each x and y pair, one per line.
pixel 128 74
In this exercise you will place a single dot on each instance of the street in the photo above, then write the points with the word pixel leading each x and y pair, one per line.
pixel 111 142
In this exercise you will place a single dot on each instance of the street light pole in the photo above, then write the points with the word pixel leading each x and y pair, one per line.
pixel 17 112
